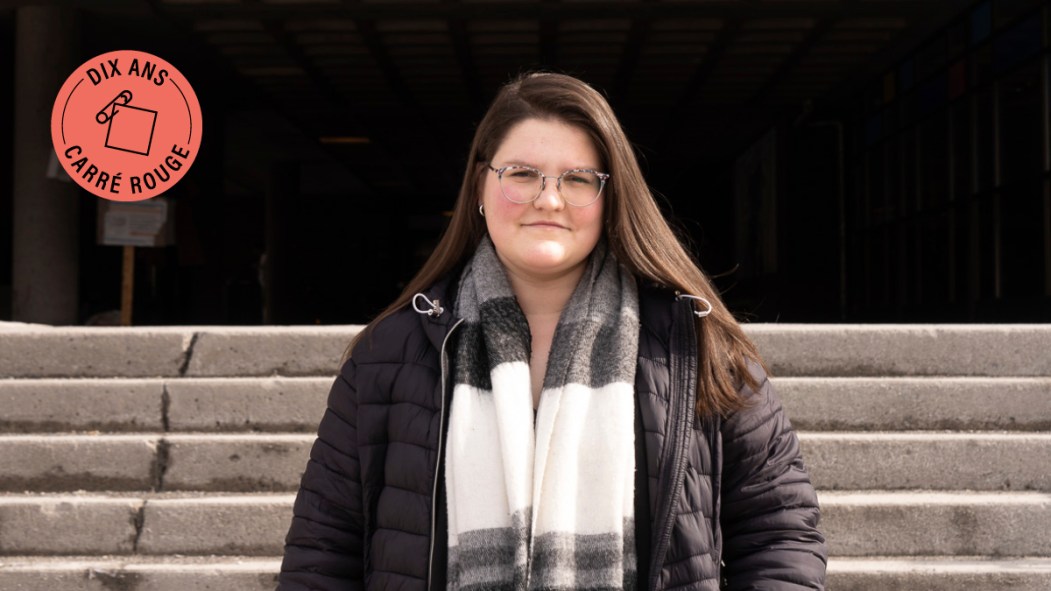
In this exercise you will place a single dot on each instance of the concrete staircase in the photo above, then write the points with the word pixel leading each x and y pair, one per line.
pixel 168 458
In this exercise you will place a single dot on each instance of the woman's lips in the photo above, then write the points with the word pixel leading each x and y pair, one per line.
pixel 546 225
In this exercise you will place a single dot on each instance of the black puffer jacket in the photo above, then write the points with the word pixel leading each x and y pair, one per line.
pixel 729 493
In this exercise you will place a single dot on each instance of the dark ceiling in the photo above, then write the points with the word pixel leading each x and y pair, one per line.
pixel 690 80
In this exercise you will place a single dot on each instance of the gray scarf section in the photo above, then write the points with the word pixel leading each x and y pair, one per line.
pixel 550 505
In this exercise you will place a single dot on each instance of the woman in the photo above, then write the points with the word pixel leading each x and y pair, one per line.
pixel 656 455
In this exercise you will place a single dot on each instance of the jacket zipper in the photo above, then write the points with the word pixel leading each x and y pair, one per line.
pixel 714 427
pixel 441 434
pixel 683 366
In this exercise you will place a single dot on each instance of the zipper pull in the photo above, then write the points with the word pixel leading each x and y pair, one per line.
pixel 699 313
pixel 435 310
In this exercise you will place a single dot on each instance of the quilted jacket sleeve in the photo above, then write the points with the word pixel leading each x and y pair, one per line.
pixel 323 548
pixel 769 510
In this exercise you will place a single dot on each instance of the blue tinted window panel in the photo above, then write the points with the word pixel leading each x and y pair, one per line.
pixel 907 75
pixel 1021 125
pixel 933 94
pixel 1022 213
pixel 931 57
pixel 873 129
pixel 983 140
pixel 957 39
pixel 957 80
pixel 982 66
pixel 1005 11
pixel 981 22
pixel 1018 43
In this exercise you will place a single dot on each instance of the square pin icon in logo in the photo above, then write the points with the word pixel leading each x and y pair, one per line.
pixel 130 128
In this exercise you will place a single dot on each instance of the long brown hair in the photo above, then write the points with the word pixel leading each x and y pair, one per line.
pixel 634 227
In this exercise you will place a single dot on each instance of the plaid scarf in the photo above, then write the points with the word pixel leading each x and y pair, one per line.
pixel 550 505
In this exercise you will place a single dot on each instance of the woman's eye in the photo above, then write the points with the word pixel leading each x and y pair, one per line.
pixel 580 179
pixel 521 174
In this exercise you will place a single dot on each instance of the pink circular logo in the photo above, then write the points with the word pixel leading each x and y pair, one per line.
pixel 126 125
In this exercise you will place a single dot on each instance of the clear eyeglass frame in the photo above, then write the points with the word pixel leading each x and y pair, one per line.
pixel 602 176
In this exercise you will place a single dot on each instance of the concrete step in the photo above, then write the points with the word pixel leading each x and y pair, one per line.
pixel 882 523
pixel 173 351
pixel 138 573
pixel 163 404
pixel 192 573
pixel 275 462
pixel 939 574
pixel 859 350
pixel 297 404
pixel 174 462
pixel 935 461
pixel 789 349
pixel 860 524
pixel 158 524
pixel 928 403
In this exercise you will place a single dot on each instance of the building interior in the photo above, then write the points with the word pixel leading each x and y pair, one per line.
pixel 826 161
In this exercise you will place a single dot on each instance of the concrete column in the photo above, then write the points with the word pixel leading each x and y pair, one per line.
pixel 46 211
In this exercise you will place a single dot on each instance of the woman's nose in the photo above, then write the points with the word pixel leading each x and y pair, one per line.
pixel 549 197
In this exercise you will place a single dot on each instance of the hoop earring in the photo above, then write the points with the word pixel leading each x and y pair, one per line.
pixel 481 209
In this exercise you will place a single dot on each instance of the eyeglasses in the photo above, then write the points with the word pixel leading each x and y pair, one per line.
pixel 578 187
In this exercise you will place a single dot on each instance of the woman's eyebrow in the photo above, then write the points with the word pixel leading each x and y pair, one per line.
pixel 520 163
pixel 531 165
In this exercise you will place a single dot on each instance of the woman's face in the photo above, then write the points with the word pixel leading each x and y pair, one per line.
pixel 547 238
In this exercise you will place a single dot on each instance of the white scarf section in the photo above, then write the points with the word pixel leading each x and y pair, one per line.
pixel 549 506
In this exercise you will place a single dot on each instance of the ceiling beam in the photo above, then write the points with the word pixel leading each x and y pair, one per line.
pixel 548 44
pixel 728 9
pixel 724 39
pixel 371 39
pixel 629 60
pixel 819 30
pixel 465 60
pixel 337 99
pixel 907 41
pixel 413 113
pixel 259 94
pixel 743 121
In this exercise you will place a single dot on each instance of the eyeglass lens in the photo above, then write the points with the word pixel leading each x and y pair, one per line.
pixel 522 185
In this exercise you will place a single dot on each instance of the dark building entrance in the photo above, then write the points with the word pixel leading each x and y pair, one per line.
pixel 830 161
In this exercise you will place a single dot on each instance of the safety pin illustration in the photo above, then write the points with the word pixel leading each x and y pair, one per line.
pixel 111 108
pixel 133 130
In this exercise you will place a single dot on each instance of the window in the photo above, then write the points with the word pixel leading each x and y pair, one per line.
pixel 1021 125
